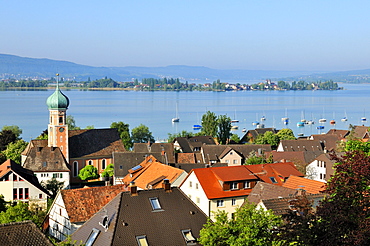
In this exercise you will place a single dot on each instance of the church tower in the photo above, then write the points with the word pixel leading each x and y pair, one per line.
pixel 57 128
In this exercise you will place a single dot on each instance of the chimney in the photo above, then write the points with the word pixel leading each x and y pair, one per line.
pixel 133 189
pixel 166 185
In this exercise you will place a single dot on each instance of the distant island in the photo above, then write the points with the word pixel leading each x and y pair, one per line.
pixel 167 84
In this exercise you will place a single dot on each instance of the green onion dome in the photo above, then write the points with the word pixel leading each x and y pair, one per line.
pixel 57 100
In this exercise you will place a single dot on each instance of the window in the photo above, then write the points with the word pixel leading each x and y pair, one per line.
pixel 196 186
pixel 75 169
pixel 198 200
pixel 320 175
pixel 220 203
pixel 155 203
pixel 235 161
pixel 247 185
pixel 26 193
pixel 234 186
pixel 15 194
pixel 190 184
pixel 92 237
pixel 141 240
pixel 40 196
pixel 324 176
pixel 103 164
pixel 188 236
pixel 273 180
pixel 227 161
pixel 233 202
pixel 61 175
pixel 121 167
pixel 60 119
pixel 90 162
pixel 61 139
pixel 20 193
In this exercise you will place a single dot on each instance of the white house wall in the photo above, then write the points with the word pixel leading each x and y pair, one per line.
pixel 59 223
pixel 45 176
pixel 316 170
pixel 227 207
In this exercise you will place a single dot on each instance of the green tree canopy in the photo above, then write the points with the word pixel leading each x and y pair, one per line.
pixel 286 134
pixel 7 137
pixel 172 137
pixel 235 138
pixel 2 203
pixel 141 134
pixel 71 123
pixel 15 129
pixel 14 150
pixel 88 172
pixel 209 124
pixel 21 212
pixel 124 133
pixel 249 227
pixel 53 186
pixel 223 127
pixel 109 171
pixel 268 138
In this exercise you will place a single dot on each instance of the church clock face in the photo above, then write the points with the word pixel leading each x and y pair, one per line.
pixel 61 129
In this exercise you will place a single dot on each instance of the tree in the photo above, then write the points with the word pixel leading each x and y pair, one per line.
pixel 224 127
pixel 109 171
pixel 15 129
pixel 344 213
pixel 209 124
pixel 141 134
pixel 20 212
pixel 184 134
pixel 235 138
pixel 249 227
pixel 88 172
pixel 6 137
pixel 268 138
pixel 53 185
pixel 71 123
pixel 124 133
pixel 285 134
pixel 43 135
pixel 14 150
pixel 2 203
pixel 254 159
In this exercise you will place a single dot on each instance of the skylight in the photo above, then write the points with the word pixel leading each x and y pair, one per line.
pixel 93 235
pixel 136 168
pixel 141 240
pixel 155 203
pixel 188 236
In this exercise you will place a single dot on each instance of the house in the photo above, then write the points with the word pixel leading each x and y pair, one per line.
pixel 124 161
pixel 78 147
pixel 300 145
pixel 166 149
pixel 23 233
pixel 341 134
pixel 251 135
pixel 225 188
pixel 264 191
pixel 145 217
pixel 308 185
pixel 46 163
pixel 192 144
pixel 150 174
pixel 330 141
pixel 20 184
pixel 233 154
pixel 321 168
pixel 72 207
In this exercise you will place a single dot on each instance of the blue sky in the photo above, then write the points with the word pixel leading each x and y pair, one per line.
pixel 251 34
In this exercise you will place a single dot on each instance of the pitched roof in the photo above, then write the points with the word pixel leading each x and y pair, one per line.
pixel 132 216
pixel 83 203
pixel 302 145
pixel 309 185
pixel 189 166
pixel 340 133
pixel 22 233
pixel 330 141
pixel 185 158
pixel 151 173
pixel 187 144
pixel 94 142
pixel 163 148
pixel 290 156
pixel 46 159
pixel 10 165
pixel 263 191
pixel 255 132
pixel 361 132
pixel 35 143
pixel 123 161
pixel 214 152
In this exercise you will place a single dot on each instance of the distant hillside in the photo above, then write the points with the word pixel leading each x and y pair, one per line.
pixel 21 67
pixel 355 76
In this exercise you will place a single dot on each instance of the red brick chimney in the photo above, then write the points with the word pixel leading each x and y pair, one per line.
pixel 166 185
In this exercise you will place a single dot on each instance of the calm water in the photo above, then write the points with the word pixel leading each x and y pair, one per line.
pixel 28 109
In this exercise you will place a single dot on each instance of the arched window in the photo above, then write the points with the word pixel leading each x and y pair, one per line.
pixel 75 169
pixel 103 164
pixel 90 162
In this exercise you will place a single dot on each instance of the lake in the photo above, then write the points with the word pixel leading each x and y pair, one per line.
pixel 28 109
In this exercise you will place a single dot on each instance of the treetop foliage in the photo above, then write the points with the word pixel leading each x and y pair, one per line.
pixel 88 172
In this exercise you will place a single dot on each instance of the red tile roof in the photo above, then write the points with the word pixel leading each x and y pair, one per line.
pixel 309 185
pixel 81 204
pixel 233 173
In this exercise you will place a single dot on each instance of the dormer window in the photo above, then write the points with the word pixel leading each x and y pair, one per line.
pixel 234 186
pixel 188 236
pixel 155 204
pixel 247 185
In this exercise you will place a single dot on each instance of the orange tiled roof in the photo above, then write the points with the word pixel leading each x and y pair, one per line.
pixel 81 204
pixel 5 167
pixel 233 173
pixel 151 174
pixel 309 185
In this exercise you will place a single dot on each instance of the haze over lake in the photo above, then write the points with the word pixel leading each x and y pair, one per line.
pixel 28 109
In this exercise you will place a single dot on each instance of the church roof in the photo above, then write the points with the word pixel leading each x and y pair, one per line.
pixel 46 159
pixel 57 100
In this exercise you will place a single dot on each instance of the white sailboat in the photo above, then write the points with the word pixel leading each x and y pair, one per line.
pixel 176 119
pixel 344 119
